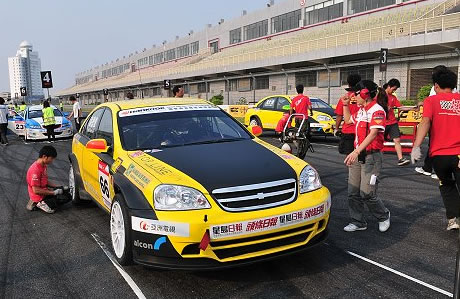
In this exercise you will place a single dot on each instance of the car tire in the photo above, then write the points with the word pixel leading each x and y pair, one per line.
pixel 254 121
pixel 120 231
pixel 74 188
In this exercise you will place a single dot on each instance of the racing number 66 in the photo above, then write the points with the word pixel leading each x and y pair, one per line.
pixel 104 187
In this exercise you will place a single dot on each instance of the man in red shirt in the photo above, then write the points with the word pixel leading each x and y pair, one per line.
pixel 392 127
pixel 37 181
pixel 347 138
pixel 441 117
pixel 301 104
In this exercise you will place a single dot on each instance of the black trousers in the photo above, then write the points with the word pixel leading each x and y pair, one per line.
pixel 446 168
pixel 77 124
pixel 3 129
pixel 428 163
pixel 50 132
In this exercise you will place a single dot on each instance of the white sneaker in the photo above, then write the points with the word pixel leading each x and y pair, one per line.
pixel 421 171
pixel 384 225
pixel 353 227
pixel 434 176
pixel 452 224
pixel 44 207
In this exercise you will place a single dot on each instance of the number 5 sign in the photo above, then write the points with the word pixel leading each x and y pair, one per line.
pixel 47 81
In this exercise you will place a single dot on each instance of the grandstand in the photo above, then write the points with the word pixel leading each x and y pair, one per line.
pixel 419 35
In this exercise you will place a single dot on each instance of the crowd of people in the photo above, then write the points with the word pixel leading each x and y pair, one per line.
pixel 368 115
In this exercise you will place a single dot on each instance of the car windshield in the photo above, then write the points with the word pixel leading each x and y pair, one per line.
pixel 318 104
pixel 173 129
pixel 39 113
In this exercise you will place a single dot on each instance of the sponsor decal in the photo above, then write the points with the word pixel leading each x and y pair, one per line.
pixel 165 109
pixel 317 125
pixel 103 170
pixel 137 176
pixel 269 223
pixel 116 164
pixel 152 246
pixel 157 227
pixel 155 165
pixel 160 241
pixel 136 154
pixel 287 157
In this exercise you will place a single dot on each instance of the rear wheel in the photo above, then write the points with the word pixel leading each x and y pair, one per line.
pixel 120 231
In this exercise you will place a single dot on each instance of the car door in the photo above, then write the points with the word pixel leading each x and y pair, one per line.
pixel 105 190
pixel 88 160
pixel 269 116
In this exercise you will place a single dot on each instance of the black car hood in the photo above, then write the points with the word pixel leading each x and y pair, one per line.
pixel 227 164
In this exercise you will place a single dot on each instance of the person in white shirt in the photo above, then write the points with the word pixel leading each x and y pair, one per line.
pixel 3 121
pixel 76 113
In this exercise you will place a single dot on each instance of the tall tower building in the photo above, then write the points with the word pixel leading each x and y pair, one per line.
pixel 24 70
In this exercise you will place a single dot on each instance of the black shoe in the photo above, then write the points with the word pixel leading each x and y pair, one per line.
pixel 403 162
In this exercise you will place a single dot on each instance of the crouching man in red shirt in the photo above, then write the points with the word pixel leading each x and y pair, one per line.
pixel 37 181
pixel 441 117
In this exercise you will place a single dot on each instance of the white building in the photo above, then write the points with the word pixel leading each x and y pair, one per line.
pixel 24 70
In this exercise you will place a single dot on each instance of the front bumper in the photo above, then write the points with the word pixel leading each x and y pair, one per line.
pixel 181 250
pixel 201 263
pixel 38 134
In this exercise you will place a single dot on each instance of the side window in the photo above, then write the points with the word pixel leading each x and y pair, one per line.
pixel 92 123
pixel 281 103
pixel 269 104
pixel 105 130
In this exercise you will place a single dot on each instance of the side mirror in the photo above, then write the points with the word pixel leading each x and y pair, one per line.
pixel 256 130
pixel 65 114
pixel 286 108
pixel 97 146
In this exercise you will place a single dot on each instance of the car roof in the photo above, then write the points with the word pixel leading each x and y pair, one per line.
pixel 131 104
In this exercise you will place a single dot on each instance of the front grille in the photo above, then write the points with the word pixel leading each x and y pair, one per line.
pixel 237 251
pixel 256 196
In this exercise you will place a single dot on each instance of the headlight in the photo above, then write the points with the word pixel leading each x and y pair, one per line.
pixel 179 198
pixel 34 127
pixel 309 180
pixel 323 118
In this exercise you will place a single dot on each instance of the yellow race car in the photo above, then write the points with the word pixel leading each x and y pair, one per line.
pixel 268 111
pixel 189 187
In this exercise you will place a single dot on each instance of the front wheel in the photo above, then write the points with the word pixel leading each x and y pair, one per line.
pixel 255 122
pixel 73 187
pixel 120 231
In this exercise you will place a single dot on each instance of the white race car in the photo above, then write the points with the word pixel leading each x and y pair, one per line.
pixel 29 124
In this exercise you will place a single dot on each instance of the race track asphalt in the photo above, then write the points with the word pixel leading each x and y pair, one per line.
pixel 45 256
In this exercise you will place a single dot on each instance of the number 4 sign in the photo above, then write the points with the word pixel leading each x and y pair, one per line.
pixel 104 183
pixel 47 80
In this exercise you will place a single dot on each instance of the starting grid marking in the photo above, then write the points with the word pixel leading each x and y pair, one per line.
pixel 120 269
pixel 401 274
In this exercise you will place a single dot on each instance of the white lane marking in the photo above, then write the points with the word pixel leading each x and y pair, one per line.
pixel 326 145
pixel 120 269
pixel 401 274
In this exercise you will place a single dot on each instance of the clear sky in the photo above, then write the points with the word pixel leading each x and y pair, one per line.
pixel 75 35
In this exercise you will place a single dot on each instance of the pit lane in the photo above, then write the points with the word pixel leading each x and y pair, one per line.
pixel 44 256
